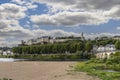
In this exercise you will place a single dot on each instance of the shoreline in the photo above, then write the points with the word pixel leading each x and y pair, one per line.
pixel 41 70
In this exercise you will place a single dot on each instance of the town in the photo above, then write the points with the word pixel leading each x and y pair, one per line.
pixel 100 48
pixel 100 51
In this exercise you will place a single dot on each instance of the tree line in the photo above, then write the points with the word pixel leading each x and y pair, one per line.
pixel 65 47
pixel 72 47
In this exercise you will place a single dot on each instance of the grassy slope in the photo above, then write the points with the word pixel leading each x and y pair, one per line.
pixel 97 69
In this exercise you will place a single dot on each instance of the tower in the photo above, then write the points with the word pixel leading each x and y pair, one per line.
pixel 82 36
pixel 22 42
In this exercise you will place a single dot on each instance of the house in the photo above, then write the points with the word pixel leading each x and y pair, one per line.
pixel 6 52
pixel 106 48
pixel 9 52
pixel 110 47
pixel 116 37
pixel 104 51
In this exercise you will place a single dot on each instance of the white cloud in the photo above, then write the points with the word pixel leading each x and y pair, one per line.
pixel 4 43
pixel 31 6
pixel 94 35
pixel 70 19
pixel 19 1
pixel 12 11
pixel 26 3
pixel 80 4
pixel 3 25
pixel 118 28
pixel 77 12
pixel 53 33
pixel 10 14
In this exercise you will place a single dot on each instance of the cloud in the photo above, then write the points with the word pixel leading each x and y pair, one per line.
pixel 69 19
pixel 80 4
pixel 3 25
pixel 19 1
pixel 118 28
pixel 26 3
pixel 53 33
pixel 4 43
pixel 77 12
pixel 12 11
pixel 10 14
pixel 94 35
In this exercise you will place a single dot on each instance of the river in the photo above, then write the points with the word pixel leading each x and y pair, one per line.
pixel 10 60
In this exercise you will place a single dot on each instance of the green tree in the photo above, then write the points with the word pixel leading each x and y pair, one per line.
pixel 117 45
pixel 88 46
pixel 80 46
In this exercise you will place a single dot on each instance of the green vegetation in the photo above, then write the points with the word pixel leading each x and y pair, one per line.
pixel 68 47
pixel 62 51
pixel 88 46
pixel 103 41
pixel 117 45
pixel 5 79
pixel 76 46
pixel 50 57
pixel 71 46
pixel 106 69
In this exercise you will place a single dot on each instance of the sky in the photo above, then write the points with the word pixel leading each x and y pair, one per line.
pixel 28 19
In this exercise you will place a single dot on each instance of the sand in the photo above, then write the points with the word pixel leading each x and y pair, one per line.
pixel 34 70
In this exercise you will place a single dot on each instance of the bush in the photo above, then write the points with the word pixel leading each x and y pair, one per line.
pixel 5 79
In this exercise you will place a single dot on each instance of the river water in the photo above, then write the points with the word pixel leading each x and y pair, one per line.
pixel 10 60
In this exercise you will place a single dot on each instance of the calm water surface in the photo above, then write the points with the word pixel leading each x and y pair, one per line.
pixel 10 60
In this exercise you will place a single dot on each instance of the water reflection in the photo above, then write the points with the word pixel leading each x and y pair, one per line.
pixel 10 60
pixel 110 71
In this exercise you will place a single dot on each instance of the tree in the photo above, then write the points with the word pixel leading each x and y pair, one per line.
pixel 80 46
pixel 88 46
pixel 117 45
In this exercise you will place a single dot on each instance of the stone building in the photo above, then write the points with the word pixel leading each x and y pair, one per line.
pixel 41 40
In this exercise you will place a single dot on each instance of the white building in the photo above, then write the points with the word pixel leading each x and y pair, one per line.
pixel 106 48
pixel 6 52
pixel 41 40
pixel 30 42
pixel 104 51
pixel 9 52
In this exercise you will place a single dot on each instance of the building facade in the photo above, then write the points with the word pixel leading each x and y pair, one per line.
pixel 104 51
pixel 41 40
pixel 106 48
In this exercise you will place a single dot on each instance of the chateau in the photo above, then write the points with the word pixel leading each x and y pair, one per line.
pixel 50 40
pixel 41 40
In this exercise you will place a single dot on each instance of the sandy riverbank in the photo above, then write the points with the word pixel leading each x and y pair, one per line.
pixel 27 70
